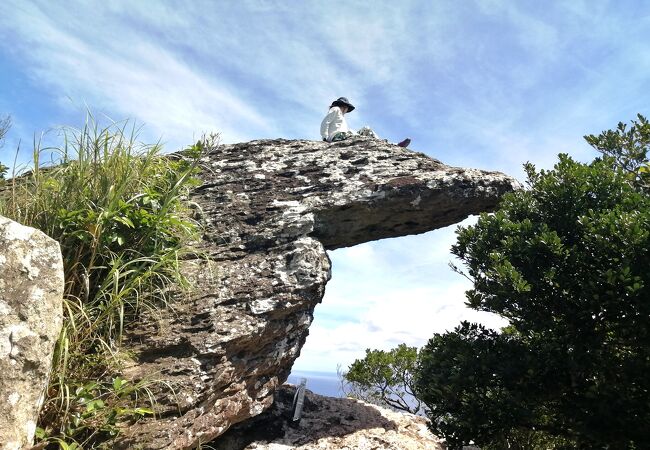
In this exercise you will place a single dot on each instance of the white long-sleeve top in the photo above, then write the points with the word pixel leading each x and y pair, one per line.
pixel 333 122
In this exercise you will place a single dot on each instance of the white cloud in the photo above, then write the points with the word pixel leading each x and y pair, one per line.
pixel 482 84
pixel 121 71
pixel 408 315
pixel 385 293
pixel 229 66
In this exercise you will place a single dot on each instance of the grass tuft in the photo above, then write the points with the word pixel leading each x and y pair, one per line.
pixel 118 209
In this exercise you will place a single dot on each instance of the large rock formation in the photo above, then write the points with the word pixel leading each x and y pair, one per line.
pixel 31 315
pixel 328 424
pixel 272 208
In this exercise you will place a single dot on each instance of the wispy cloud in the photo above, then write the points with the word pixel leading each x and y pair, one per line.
pixel 488 84
pixel 230 66
pixel 386 293
pixel 121 71
pixel 402 314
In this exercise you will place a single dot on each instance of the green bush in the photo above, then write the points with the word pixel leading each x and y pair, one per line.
pixel 566 261
pixel 384 378
pixel 117 208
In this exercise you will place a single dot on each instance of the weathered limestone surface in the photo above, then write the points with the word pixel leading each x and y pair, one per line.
pixel 31 315
pixel 328 424
pixel 272 208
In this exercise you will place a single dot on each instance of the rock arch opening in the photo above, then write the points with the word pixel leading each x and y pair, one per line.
pixel 382 294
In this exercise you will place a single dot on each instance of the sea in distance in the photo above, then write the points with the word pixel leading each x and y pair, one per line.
pixel 323 383
pixel 329 384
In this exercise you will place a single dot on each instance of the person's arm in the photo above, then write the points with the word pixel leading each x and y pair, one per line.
pixel 333 116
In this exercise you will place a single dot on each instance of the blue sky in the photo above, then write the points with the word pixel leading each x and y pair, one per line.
pixel 485 84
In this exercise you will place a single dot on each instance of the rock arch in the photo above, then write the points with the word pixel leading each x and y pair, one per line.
pixel 272 210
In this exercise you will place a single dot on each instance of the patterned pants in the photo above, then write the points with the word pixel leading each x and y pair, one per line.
pixel 343 135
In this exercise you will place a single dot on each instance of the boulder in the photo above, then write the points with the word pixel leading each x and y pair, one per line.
pixel 272 209
pixel 31 316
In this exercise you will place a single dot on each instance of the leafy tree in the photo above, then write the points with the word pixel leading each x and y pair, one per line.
pixel 628 148
pixel 566 261
pixel 478 385
pixel 385 378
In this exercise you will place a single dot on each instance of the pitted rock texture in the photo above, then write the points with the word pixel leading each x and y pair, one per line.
pixel 31 316
pixel 328 423
pixel 271 210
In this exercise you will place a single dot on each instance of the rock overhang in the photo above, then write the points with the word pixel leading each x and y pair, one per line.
pixel 272 209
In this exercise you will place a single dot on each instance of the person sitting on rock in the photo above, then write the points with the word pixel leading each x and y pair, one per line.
pixel 334 127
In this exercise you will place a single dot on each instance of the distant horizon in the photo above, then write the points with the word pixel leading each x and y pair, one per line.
pixel 322 383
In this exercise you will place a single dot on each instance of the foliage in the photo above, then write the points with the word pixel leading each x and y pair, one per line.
pixel 385 378
pixel 117 208
pixel 628 148
pixel 480 386
pixel 5 124
pixel 566 261
pixel 97 408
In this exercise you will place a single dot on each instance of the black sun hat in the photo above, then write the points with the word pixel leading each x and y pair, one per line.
pixel 342 101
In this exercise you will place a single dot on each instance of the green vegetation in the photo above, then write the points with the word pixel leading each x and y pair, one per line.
pixel 627 150
pixel 566 262
pixel 116 207
pixel 385 378
pixel 5 124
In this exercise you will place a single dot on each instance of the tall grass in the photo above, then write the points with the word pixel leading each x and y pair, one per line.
pixel 117 208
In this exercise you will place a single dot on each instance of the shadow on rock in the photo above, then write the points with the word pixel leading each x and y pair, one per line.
pixel 327 422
